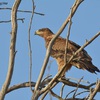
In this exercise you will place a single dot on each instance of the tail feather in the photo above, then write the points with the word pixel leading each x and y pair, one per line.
pixel 92 67
pixel 86 65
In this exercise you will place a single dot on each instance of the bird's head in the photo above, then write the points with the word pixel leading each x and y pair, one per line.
pixel 44 32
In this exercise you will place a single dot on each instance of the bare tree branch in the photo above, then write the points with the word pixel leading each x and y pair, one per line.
pixel 3 3
pixel 45 82
pixel 12 49
pixel 62 89
pixel 18 86
pixel 73 84
pixel 45 93
pixel 29 44
pixel 22 19
pixel 70 93
pixel 81 92
pixel 95 90
pixel 23 11
pixel 77 80
pixel 67 38
pixel 75 99
pixel 55 95
pixel 77 88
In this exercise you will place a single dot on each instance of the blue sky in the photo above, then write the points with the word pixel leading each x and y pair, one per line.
pixel 85 25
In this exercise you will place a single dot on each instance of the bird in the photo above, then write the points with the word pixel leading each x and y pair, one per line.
pixel 81 61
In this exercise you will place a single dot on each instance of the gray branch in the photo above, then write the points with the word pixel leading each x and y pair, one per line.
pixel 12 51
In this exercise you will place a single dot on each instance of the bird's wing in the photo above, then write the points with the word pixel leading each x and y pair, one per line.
pixel 82 60
pixel 60 44
pixel 74 47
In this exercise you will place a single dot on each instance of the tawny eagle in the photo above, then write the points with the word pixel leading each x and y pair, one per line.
pixel 82 60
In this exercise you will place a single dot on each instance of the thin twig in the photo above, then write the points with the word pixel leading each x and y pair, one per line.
pixel 67 38
pixel 92 84
pixel 81 92
pixel 75 99
pixel 62 90
pixel 70 93
pixel 24 11
pixel 29 44
pixel 83 81
pixel 22 19
pixel 73 84
pixel 3 3
pixel 77 88
pixel 46 79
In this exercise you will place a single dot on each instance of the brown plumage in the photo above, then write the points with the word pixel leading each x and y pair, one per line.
pixel 82 60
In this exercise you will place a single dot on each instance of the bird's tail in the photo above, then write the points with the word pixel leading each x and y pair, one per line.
pixel 86 65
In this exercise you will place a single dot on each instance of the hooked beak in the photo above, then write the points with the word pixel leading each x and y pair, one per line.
pixel 35 33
